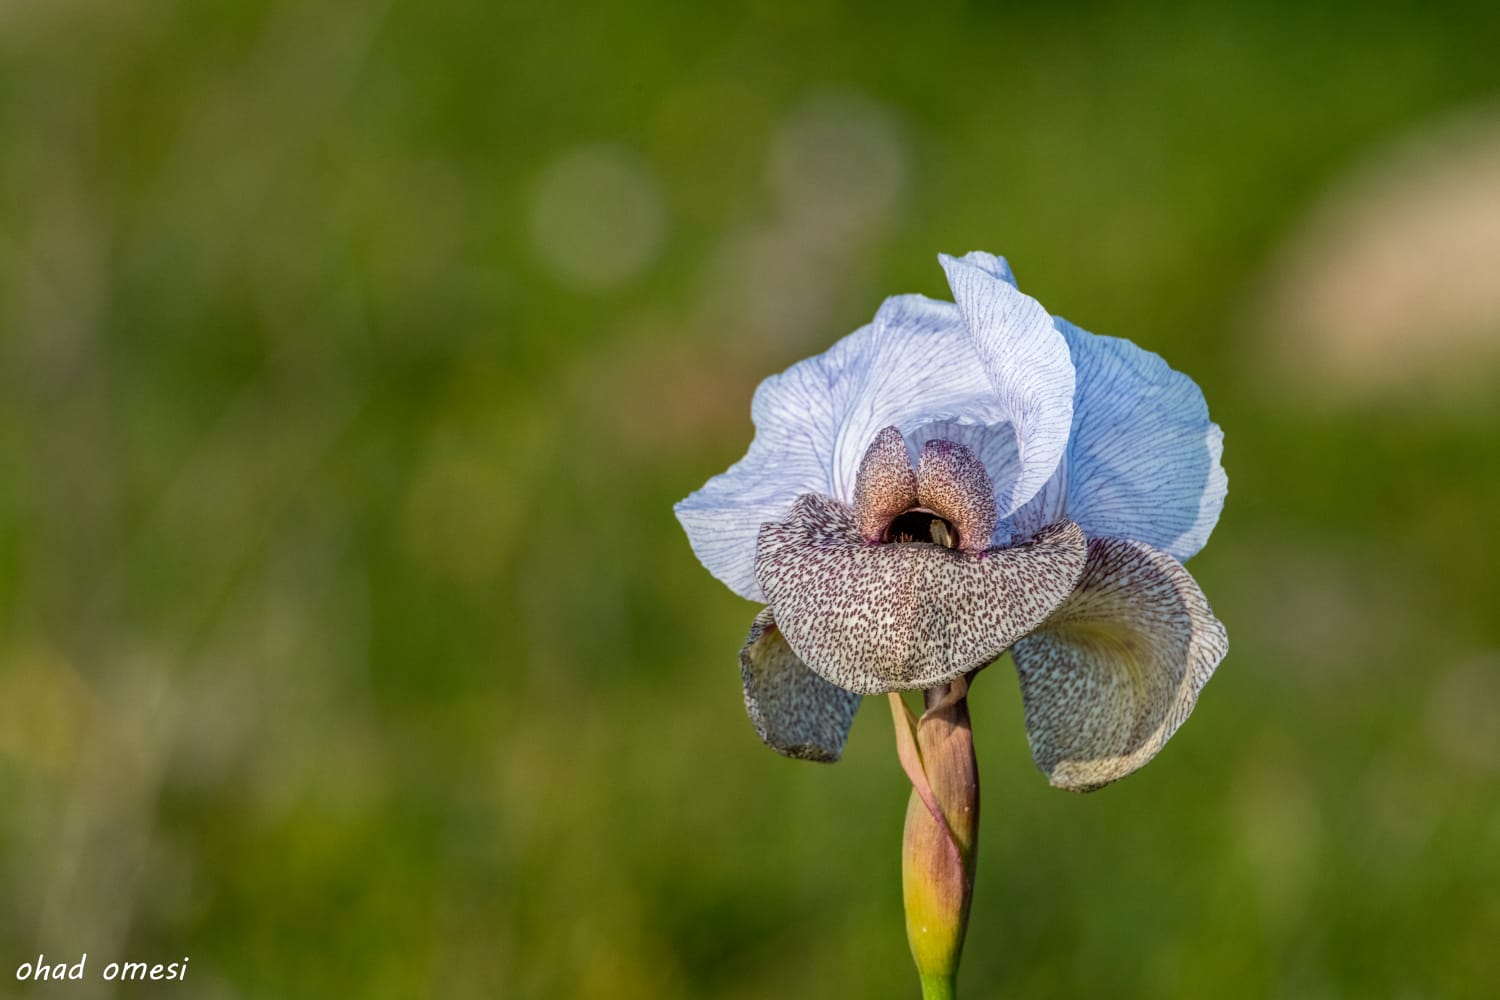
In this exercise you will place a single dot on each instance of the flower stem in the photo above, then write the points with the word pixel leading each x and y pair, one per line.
pixel 938 987
pixel 942 821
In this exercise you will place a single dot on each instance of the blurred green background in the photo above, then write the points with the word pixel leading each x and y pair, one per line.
pixel 353 356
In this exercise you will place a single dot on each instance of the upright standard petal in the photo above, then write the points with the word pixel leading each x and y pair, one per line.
pixel 877 618
pixel 1025 358
pixel 795 712
pixel 1143 459
pixel 914 365
pixel 1118 666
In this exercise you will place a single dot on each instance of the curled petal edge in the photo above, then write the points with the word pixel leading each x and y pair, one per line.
pixel 1027 362
pixel 1118 666
pixel 794 711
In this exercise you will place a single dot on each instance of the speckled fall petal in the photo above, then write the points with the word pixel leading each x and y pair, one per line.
pixel 795 712
pixel 877 618
pixel 1108 678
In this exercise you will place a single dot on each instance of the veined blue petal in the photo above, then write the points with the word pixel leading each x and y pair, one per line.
pixel 1143 459
pixel 1026 361
pixel 915 365
pixel 995 266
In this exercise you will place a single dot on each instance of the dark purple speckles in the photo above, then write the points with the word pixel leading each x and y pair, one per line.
pixel 885 486
pixel 873 618
pixel 952 483
pixel 1116 669
pixel 795 712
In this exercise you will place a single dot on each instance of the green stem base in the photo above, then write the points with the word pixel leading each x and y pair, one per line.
pixel 939 988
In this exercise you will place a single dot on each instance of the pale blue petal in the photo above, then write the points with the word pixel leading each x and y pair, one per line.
pixel 914 365
pixel 1027 363
pixel 721 527
pixel 994 266
pixel 1143 461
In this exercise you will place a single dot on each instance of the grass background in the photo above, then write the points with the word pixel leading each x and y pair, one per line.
pixel 353 356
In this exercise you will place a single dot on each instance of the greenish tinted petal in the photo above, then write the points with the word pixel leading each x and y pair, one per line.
pixel 1118 666
pixel 795 712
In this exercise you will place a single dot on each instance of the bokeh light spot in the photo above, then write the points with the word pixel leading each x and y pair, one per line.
pixel 1390 284
pixel 598 217
pixel 840 159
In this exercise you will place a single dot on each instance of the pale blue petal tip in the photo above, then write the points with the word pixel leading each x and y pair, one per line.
pixel 995 267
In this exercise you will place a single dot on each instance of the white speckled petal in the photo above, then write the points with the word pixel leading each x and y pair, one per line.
pixel 914 365
pixel 1118 666
pixel 877 618
pixel 1027 362
pixel 795 712
pixel 1143 461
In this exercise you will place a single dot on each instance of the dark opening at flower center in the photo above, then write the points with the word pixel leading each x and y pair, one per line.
pixel 922 526
pixel 947 500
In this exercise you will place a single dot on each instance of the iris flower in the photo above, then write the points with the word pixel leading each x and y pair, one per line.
pixel 1070 475
pixel 959 479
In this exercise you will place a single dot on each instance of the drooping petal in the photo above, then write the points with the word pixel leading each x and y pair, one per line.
pixel 794 711
pixel 952 483
pixel 877 618
pixel 885 486
pixel 1118 666
pixel 914 365
pixel 1026 360
pixel 1143 460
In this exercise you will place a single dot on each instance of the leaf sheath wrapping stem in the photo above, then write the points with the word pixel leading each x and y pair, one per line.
pixel 942 821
